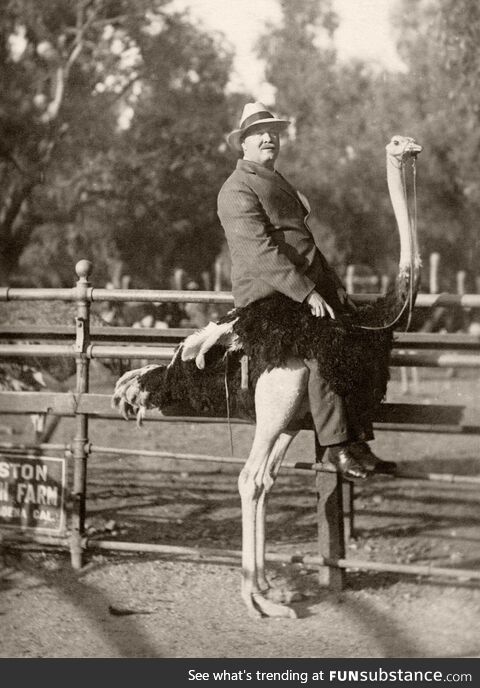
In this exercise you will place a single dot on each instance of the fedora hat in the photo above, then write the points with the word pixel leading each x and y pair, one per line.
pixel 253 114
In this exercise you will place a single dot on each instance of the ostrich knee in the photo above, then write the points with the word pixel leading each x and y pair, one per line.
pixel 269 480
pixel 248 487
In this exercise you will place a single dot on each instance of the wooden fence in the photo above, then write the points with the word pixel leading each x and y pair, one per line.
pixel 418 349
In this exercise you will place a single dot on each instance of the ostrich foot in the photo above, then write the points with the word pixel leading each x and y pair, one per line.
pixel 283 595
pixel 259 605
pixel 270 607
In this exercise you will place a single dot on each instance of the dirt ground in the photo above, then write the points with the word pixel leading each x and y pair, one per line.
pixel 138 605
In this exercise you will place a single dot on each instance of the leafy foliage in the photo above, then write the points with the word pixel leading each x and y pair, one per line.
pixel 160 195
pixel 439 42
pixel 48 55
pixel 345 113
pixel 336 156
pixel 111 125
pixel 112 117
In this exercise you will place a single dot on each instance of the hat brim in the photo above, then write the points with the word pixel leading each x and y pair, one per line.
pixel 234 138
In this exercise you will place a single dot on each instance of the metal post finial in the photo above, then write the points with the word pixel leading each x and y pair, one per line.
pixel 84 269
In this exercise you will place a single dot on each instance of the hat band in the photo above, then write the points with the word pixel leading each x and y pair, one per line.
pixel 255 117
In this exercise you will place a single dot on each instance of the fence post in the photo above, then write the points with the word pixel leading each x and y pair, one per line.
pixel 331 534
pixel 348 492
pixel 80 449
pixel 434 273
pixel 385 282
pixel 350 279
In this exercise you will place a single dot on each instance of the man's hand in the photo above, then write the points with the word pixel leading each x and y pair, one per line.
pixel 345 299
pixel 318 305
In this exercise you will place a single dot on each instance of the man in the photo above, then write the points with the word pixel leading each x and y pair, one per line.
pixel 272 250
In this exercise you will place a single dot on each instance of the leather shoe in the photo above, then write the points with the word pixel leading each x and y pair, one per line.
pixel 370 461
pixel 345 462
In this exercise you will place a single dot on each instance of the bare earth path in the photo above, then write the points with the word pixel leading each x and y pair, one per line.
pixel 158 606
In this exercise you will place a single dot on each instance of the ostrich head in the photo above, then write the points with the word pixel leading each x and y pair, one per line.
pixel 401 147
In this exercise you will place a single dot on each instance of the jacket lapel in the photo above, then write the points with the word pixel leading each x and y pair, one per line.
pixel 275 178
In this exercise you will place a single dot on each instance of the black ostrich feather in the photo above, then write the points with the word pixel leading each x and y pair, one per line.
pixel 355 361
pixel 183 389
pixel 352 359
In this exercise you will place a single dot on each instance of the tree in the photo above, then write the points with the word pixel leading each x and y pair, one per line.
pixel 48 58
pixel 109 122
pixel 160 195
pixel 338 111
pixel 439 42
pixel 344 113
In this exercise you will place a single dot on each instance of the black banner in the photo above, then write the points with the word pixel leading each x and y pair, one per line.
pixel 268 673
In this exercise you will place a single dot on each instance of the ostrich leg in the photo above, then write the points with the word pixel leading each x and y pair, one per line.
pixel 274 462
pixel 278 395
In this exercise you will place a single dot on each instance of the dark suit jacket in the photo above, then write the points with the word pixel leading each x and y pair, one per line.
pixel 272 249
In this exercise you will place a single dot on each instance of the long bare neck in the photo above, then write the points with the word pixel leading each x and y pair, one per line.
pixel 409 256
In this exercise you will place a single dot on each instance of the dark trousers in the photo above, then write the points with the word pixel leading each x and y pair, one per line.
pixel 335 420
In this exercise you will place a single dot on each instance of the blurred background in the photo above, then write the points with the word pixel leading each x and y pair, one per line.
pixel 113 116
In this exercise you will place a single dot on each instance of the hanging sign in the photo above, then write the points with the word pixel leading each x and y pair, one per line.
pixel 32 493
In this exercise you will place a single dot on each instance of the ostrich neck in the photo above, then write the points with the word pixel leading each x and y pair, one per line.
pixel 400 209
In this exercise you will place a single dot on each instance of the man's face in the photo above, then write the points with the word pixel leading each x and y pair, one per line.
pixel 262 145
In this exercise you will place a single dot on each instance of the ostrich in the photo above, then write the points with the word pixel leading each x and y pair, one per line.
pixel 279 397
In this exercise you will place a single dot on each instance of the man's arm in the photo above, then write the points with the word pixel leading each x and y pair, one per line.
pixel 246 224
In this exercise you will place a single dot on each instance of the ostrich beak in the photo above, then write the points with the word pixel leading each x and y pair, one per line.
pixel 414 148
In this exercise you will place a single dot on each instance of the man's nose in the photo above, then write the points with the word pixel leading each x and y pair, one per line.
pixel 268 137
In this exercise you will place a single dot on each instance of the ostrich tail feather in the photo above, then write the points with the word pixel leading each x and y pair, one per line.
pixel 198 344
pixel 139 390
pixel 182 389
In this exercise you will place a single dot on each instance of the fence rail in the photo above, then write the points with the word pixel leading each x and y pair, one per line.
pixel 93 294
pixel 165 353
pixel 417 340
pixel 100 343
pixel 419 417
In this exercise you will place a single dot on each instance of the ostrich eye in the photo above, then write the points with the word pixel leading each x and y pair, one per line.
pixel 396 142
